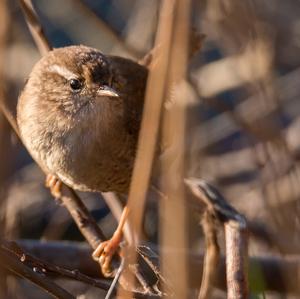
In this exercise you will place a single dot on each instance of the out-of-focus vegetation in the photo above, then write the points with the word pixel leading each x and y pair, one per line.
pixel 243 117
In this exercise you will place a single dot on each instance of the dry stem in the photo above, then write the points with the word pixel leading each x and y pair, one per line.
pixel 211 257
pixel 235 235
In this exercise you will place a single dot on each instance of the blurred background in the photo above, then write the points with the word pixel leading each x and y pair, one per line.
pixel 243 118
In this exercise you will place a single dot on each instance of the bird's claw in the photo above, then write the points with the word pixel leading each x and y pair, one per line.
pixel 54 184
pixel 105 252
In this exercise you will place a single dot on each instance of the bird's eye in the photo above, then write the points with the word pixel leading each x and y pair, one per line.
pixel 75 84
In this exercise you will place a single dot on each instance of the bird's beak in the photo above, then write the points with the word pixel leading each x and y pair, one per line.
pixel 107 91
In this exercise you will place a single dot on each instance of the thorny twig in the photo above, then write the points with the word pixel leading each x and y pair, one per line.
pixel 235 235
pixel 15 265
pixel 49 269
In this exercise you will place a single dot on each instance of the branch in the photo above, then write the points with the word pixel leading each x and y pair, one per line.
pixel 274 273
pixel 80 214
pixel 55 252
pixel 235 235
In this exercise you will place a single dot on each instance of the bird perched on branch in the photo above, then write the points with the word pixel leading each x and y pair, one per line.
pixel 79 116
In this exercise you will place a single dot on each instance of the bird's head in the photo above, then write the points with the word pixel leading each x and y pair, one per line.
pixel 75 81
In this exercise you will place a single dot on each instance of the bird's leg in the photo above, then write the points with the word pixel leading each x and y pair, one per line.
pixel 54 184
pixel 106 250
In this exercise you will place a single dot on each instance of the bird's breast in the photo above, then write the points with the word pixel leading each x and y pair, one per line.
pixel 91 162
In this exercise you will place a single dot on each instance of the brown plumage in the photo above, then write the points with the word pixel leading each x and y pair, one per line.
pixel 79 116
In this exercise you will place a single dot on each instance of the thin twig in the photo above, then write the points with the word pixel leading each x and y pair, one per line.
pixel 80 214
pixel 112 288
pixel 35 27
pixel 16 266
pixel 104 27
pixel 50 269
pixel 114 203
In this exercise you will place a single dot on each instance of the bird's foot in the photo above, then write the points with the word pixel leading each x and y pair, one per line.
pixel 54 184
pixel 105 252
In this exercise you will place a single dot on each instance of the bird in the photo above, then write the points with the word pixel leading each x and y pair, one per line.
pixel 79 116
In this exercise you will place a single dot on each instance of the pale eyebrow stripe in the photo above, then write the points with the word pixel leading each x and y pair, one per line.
pixel 62 71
